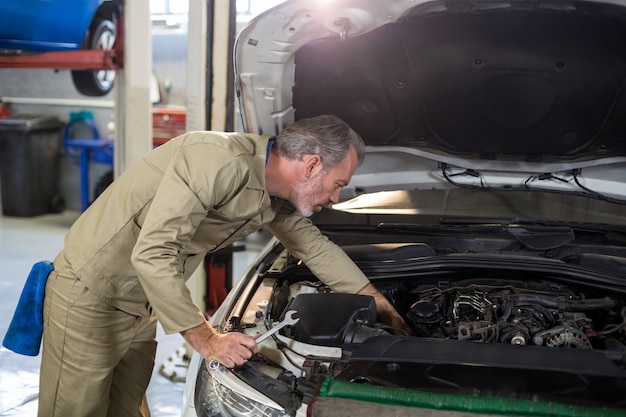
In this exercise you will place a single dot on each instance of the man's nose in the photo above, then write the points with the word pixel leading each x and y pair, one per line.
pixel 334 197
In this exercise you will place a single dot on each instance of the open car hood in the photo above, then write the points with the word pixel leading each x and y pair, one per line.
pixel 488 94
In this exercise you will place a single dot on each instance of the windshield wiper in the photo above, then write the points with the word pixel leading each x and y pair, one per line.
pixel 537 237
pixel 461 230
pixel 514 222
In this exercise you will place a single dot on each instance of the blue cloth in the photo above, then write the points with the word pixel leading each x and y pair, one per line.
pixel 26 328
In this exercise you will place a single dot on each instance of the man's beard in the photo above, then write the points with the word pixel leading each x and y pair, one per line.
pixel 306 191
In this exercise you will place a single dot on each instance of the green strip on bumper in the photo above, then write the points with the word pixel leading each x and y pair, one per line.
pixel 455 402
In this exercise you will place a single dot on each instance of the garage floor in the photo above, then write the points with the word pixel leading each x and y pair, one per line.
pixel 24 241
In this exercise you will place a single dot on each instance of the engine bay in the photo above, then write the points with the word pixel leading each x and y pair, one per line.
pixel 502 311
pixel 511 326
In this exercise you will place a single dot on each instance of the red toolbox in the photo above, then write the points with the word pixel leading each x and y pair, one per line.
pixel 167 123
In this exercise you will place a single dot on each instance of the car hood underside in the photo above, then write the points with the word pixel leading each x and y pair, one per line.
pixel 529 81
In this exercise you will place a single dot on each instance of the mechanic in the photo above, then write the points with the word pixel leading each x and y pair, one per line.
pixel 127 257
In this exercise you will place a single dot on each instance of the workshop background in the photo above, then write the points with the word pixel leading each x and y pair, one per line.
pixel 38 103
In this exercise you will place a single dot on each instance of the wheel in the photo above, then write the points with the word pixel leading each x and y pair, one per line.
pixel 99 82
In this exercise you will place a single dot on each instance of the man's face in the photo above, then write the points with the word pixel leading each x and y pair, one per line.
pixel 323 188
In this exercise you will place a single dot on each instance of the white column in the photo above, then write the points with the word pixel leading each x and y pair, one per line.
pixel 196 65
pixel 196 108
pixel 133 109
pixel 219 66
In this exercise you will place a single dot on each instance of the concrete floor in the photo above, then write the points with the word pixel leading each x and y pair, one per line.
pixel 24 241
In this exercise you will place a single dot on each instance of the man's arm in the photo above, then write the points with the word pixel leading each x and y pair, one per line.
pixel 190 186
pixel 330 263
pixel 386 312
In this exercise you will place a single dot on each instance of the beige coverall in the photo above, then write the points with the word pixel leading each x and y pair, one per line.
pixel 128 256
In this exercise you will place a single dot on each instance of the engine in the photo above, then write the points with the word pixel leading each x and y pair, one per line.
pixel 512 315
pixel 519 313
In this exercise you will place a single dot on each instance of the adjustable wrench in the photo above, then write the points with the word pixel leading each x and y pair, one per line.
pixel 289 320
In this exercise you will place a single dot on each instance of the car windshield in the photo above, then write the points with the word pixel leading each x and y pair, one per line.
pixel 465 205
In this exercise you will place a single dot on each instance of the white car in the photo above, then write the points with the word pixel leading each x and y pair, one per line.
pixel 490 210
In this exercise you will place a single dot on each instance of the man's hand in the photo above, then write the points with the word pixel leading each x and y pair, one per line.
pixel 386 312
pixel 229 349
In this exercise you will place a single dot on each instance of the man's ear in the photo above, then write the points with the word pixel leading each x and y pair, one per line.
pixel 312 165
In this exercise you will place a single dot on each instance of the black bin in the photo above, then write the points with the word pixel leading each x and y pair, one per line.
pixel 29 165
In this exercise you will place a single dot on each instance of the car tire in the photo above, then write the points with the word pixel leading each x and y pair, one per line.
pixel 98 82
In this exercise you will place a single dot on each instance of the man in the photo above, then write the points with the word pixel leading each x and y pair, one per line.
pixel 127 257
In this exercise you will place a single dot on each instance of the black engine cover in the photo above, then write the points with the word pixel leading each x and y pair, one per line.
pixel 325 318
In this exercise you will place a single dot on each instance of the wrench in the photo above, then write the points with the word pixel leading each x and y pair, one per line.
pixel 289 320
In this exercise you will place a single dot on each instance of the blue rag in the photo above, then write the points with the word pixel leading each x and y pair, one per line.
pixel 26 328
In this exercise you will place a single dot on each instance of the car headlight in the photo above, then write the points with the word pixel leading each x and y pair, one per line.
pixel 219 393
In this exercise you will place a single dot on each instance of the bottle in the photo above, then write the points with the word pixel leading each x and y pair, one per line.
pixel 111 130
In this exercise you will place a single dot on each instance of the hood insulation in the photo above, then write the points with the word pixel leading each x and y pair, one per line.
pixel 530 83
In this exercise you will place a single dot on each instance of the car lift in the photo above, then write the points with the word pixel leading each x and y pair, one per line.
pixel 101 59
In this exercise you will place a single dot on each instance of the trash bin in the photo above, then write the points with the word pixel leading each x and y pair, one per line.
pixel 29 165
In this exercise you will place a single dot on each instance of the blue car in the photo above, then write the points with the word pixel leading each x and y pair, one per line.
pixel 62 25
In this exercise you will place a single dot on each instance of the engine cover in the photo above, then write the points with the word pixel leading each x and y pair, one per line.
pixel 325 318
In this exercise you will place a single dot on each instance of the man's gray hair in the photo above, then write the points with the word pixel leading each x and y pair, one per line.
pixel 327 136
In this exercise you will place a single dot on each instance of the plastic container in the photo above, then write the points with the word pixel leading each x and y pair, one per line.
pixel 29 165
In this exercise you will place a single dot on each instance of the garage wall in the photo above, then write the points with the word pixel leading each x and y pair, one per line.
pixel 45 91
